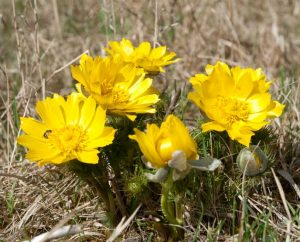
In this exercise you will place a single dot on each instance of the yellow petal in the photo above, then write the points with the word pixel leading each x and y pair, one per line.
pixel 42 155
pixel 97 125
pixel 147 146
pixel 39 149
pixel 50 113
pixel 139 88
pixel 152 131
pixel 88 156
pixel 209 69
pixel 143 49
pixel 78 75
pixel 223 66
pixel 33 127
pixel 194 96
pixel 158 52
pixel 277 110
pixel 127 46
pixel 58 159
pixel 72 109
pixel 78 87
pixel 167 59
pixel 178 135
pixel 131 117
pixel 212 126
pixel 256 126
pixel 33 142
pixel 219 83
pixel 87 111
pixel 104 139
pixel 244 85
pixel 198 79
pixel 257 117
pixel 240 132
pixel 147 100
pixel 136 109
pixel 244 140
pixel 85 58
pixel 259 102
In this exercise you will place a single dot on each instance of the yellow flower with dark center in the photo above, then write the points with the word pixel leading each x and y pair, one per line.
pixel 152 60
pixel 118 88
pixel 69 129
pixel 161 145
pixel 234 99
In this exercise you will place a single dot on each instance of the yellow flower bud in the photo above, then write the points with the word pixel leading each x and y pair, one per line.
pixel 170 145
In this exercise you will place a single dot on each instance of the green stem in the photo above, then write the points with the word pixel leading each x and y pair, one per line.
pixel 178 207
pixel 171 213
pixel 167 206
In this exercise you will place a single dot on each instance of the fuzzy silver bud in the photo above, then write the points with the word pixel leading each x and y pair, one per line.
pixel 252 161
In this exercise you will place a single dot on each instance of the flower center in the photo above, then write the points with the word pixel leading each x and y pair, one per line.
pixel 233 109
pixel 120 96
pixel 68 140
pixel 106 87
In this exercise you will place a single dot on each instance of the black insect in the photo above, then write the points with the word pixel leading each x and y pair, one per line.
pixel 45 135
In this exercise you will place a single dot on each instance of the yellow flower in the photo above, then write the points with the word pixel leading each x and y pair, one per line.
pixel 151 60
pixel 118 88
pixel 235 100
pixel 160 146
pixel 69 129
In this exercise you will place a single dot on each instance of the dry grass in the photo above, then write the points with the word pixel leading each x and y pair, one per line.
pixel 39 39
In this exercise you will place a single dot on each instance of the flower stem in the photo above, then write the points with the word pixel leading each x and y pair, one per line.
pixel 171 213
pixel 166 205
pixel 178 208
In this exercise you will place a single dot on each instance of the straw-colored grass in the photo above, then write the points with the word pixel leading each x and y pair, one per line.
pixel 40 39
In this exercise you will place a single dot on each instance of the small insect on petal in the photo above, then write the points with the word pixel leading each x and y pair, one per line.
pixel 45 135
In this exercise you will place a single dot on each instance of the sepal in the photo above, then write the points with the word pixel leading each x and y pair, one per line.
pixel 159 176
pixel 205 164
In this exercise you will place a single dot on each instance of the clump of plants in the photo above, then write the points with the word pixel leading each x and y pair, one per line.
pixel 118 134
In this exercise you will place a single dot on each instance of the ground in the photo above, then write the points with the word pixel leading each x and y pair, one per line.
pixel 40 39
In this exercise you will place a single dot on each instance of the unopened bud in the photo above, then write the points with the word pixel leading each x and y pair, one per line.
pixel 252 160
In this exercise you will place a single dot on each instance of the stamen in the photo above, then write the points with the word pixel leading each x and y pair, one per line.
pixel 68 140
pixel 232 109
